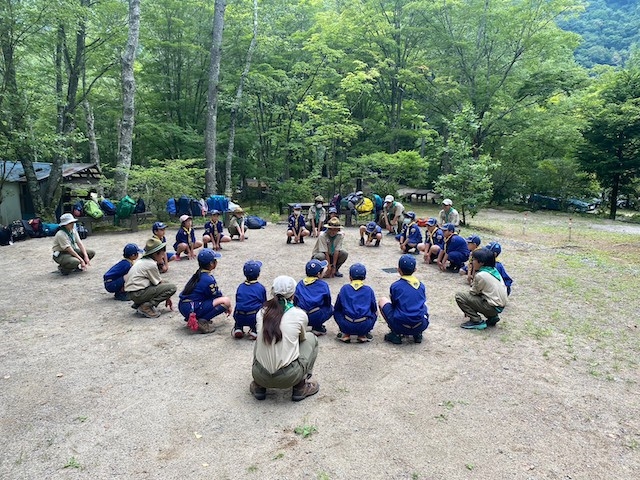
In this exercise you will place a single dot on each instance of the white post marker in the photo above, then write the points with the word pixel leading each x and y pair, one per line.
pixel 570 227
pixel 524 224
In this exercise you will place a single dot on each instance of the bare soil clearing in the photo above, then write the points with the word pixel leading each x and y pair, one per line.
pixel 88 389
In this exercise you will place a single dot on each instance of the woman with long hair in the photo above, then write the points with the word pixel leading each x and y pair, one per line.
pixel 283 356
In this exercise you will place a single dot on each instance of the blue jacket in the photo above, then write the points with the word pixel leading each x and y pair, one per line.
pixel 409 303
pixel 206 289
pixel 456 243
pixel 315 299
pixel 183 236
pixel 508 281
pixel 250 297
pixel 434 238
pixel 119 270
pixel 355 310
pixel 296 223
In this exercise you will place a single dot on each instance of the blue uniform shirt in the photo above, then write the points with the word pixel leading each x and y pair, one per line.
pixel 409 303
pixel 508 281
pixel 414 234
pixel 356 310
pixel 372 236
pixel 119 270
pixel 184 236
pixel 211 228
pixel 434 238
pixel 250 297
pixel 296 223
pixel 456 243
pixel 206 289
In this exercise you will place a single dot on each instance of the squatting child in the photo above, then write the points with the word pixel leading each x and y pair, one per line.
pixel 496 248
pixel 473 242
pixel 314 297
pixel 114 278
pixel 250 297
pixel 214 232
pixel 411 235
pixel 158 230
pixel 186 239
pixel 370 235
pixel 296 229
pixel 356 310
pixel 433 241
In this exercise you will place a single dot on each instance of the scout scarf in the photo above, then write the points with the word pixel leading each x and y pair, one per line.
pixel 188 232
pixel 72 238
pixel 411 280
pixel 309 280
pixel 492 271
pixel 356 284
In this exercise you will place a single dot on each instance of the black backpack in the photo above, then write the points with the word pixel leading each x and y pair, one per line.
pixel 6 236
pixel 82 231
pixel 140 206
pixel 18 231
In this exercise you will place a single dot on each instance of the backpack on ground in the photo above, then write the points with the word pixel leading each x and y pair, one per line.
pixel 33 227
pixel 183 206
pixel 49 229
pixel 107 207
pixel 82 231
pixel 195 208
pixel 78 209
pixel 125 208
pixel 171 206
pixel 18 231
pixel 6 236
pixel 92 209
pixel 217 202
pixel 140 206
pixel 365 205
pixel 255 223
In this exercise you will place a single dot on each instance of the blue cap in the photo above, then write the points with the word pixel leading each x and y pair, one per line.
pixel 297 206
pixel 131 249
pixel 333 210
pixel 495 247
pixel 251 269
pixel 371 227
pixel 449 226
pixel 407 264
pixel 206 256
pixel 214 212
pixel 432 222
pixel 158 226
pixel 314 267
pixel 474 239
pixel 358 271
pixel 411 215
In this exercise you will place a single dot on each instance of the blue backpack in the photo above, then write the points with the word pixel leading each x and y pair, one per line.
pixel 254 223
pixel 107 207
pixel 171 206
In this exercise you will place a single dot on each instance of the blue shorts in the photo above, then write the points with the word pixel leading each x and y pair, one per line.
pixel 114 286
pixel 203 310
pixel 402 326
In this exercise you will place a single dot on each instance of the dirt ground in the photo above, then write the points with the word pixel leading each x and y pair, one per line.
pixel 89 389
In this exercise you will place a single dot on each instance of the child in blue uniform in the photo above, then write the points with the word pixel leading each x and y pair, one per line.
pixel 373 233
pixel 411 235
pixel 356 310
pixel 250 297
pixel 114 278
pixel 201 294
pixel 433 241
pixel 214 232
pixel 314 297
pixel 296 230
pixel 496 248
pixel 186 239
pixel 473 242
pixel 406 312
pixel 455 250
pixel 158 230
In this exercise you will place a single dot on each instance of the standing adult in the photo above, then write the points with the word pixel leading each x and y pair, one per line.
pixel 392 215
pixel 329 247
pixel 283 355
pixel 68 250
pixel 448 214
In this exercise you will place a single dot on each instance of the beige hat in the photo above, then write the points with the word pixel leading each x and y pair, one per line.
pixel 152 246
pixel 319 198
pixel 184 218
pixel 67 218
pixel 447 201
pixel 238 210
pixel 389 199
pixel 334 223
pixel 284 286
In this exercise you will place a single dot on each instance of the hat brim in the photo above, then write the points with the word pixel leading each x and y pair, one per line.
pixel 334 227
pixel 154 249
pixel 75 220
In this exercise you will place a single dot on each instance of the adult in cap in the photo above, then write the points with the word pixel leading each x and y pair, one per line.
pixel 433 241
pixel 68 250
pixel 237 225
pixel 329 246
pixel 144 286
pixel 317 216
pixel 284 355
pixel 448 214
pixel 186 239
pixel 392 215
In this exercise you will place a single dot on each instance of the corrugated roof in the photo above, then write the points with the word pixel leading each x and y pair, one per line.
pixel 14 172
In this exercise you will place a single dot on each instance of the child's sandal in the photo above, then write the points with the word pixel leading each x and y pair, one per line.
pixel 343 337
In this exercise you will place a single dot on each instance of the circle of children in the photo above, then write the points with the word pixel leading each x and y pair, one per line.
pixel 355 310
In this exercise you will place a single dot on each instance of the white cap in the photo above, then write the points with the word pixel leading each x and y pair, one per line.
pixel 388 199
pixel 284 286
pixel 447 201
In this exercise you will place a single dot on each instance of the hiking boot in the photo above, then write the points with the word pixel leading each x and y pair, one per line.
pixel 237 333
pixel 492 321
pixel 148 310
pixel 260 393
pixel 122 296
pixel 470 325
pixel 394 338
pixel 206 326
pixel 377 244
pixel 62 272
pixel 318 331
pixel 288 240
pixel 362 241
pixel 305 388
pixel 417 338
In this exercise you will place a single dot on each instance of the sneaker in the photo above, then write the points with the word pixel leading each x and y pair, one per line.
pixel 365 338
pixel 393 338
pixel 469 325
pixel 148 310
pixel 288 240
pixel 253 335
pixel 417 338
pixel 260 393
pixel 492 321
pixel 304 389
pixel 301 240
pixel 343 337
pixel 338 274
pixel 237 333
pixel 362 241
pixel 318 331
pixel 122 296
pixel 377 244
pixel 206 326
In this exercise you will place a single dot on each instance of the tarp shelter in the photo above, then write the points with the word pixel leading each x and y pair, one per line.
pixel 15 200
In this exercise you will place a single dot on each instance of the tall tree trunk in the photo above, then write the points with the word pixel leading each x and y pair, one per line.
pixel 123 164
pixel 228 190
pixel 211 136
pixel 94 152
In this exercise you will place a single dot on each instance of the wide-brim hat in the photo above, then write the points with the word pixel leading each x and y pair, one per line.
pixel 334 223
pixel 66 219
pixel 152 246
pixel 238 210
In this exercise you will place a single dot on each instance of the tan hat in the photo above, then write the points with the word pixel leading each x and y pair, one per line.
pixel 152 246
pixel 319 198
pixel 238 210
pixel 284 286
pixel 66 219
pixel 184 218
pixel 334 223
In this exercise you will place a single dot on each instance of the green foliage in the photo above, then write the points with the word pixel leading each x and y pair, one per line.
pixel 305 430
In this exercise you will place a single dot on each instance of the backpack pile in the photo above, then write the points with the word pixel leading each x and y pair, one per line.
pixel 92 209
pixel 125 209
pixel 6 236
